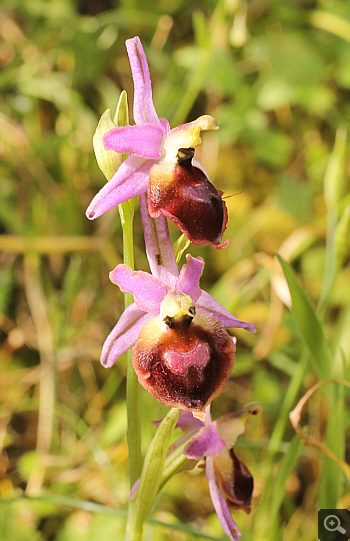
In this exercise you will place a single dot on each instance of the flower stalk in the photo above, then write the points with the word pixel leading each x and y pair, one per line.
pixel 109 162
pixel 133 399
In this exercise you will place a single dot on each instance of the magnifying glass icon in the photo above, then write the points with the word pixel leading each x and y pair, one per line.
pixel 332 524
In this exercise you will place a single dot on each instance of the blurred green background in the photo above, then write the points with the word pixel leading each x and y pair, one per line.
pixel 276 76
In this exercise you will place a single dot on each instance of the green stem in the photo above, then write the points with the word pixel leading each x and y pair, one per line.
pixel 133 405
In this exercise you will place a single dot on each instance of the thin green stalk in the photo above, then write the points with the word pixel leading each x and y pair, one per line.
pixel 133 403
pixel 109 162
pixel 133 409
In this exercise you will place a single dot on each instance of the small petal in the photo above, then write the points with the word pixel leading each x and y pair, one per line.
pixel 124 334
pixel 227 523
pixel 159 248
pixel 205 443
pixel 143 140
pixel 187 422
pixel 130 180
pixel 147 290
pixel 165 125
pixel 188 135
pixel 232 425
pixel 210 304
pixel 144 111
pixel 188 281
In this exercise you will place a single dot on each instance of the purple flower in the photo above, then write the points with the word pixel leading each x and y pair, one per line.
pixel 183 355
pixel 161 163
pixel 230 482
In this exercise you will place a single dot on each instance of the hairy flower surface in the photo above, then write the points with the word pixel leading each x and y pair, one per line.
pixel 183 355
pixel 161 162
pixel 230 482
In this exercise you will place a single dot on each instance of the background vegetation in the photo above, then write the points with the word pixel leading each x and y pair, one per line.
pixel 276 75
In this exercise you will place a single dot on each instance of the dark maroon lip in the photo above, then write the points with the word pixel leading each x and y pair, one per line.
pixel 186 366
pixel 189 199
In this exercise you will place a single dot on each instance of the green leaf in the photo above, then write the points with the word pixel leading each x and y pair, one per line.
pixel 308 323
pixel 151 475
pixel 334 179
pixel 341 238
pixel 108 160
pixel 331 480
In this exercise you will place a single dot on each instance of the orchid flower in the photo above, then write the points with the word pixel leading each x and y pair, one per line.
pixel 161 162
pixel 183 355
pixel 230 482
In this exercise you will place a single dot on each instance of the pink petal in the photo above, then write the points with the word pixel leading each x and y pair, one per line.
pixel 130 180
pixel 190 273
pixel 165 125
pixel 159 248
pixel 147 290
pixel 205 443
pixel 208 302
pixel 227 523
pixel 187 422
pixel 142 140
pixel 144 111
pixel 124 334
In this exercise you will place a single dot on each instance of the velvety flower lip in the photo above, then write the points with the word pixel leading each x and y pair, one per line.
pixel 161 163
pixel 185 195
pixel 230 482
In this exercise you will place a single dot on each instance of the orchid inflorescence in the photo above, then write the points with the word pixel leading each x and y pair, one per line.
pixel 183 354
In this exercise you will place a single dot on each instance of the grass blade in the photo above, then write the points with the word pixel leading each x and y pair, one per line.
pixel 284 471
pixel 308 323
